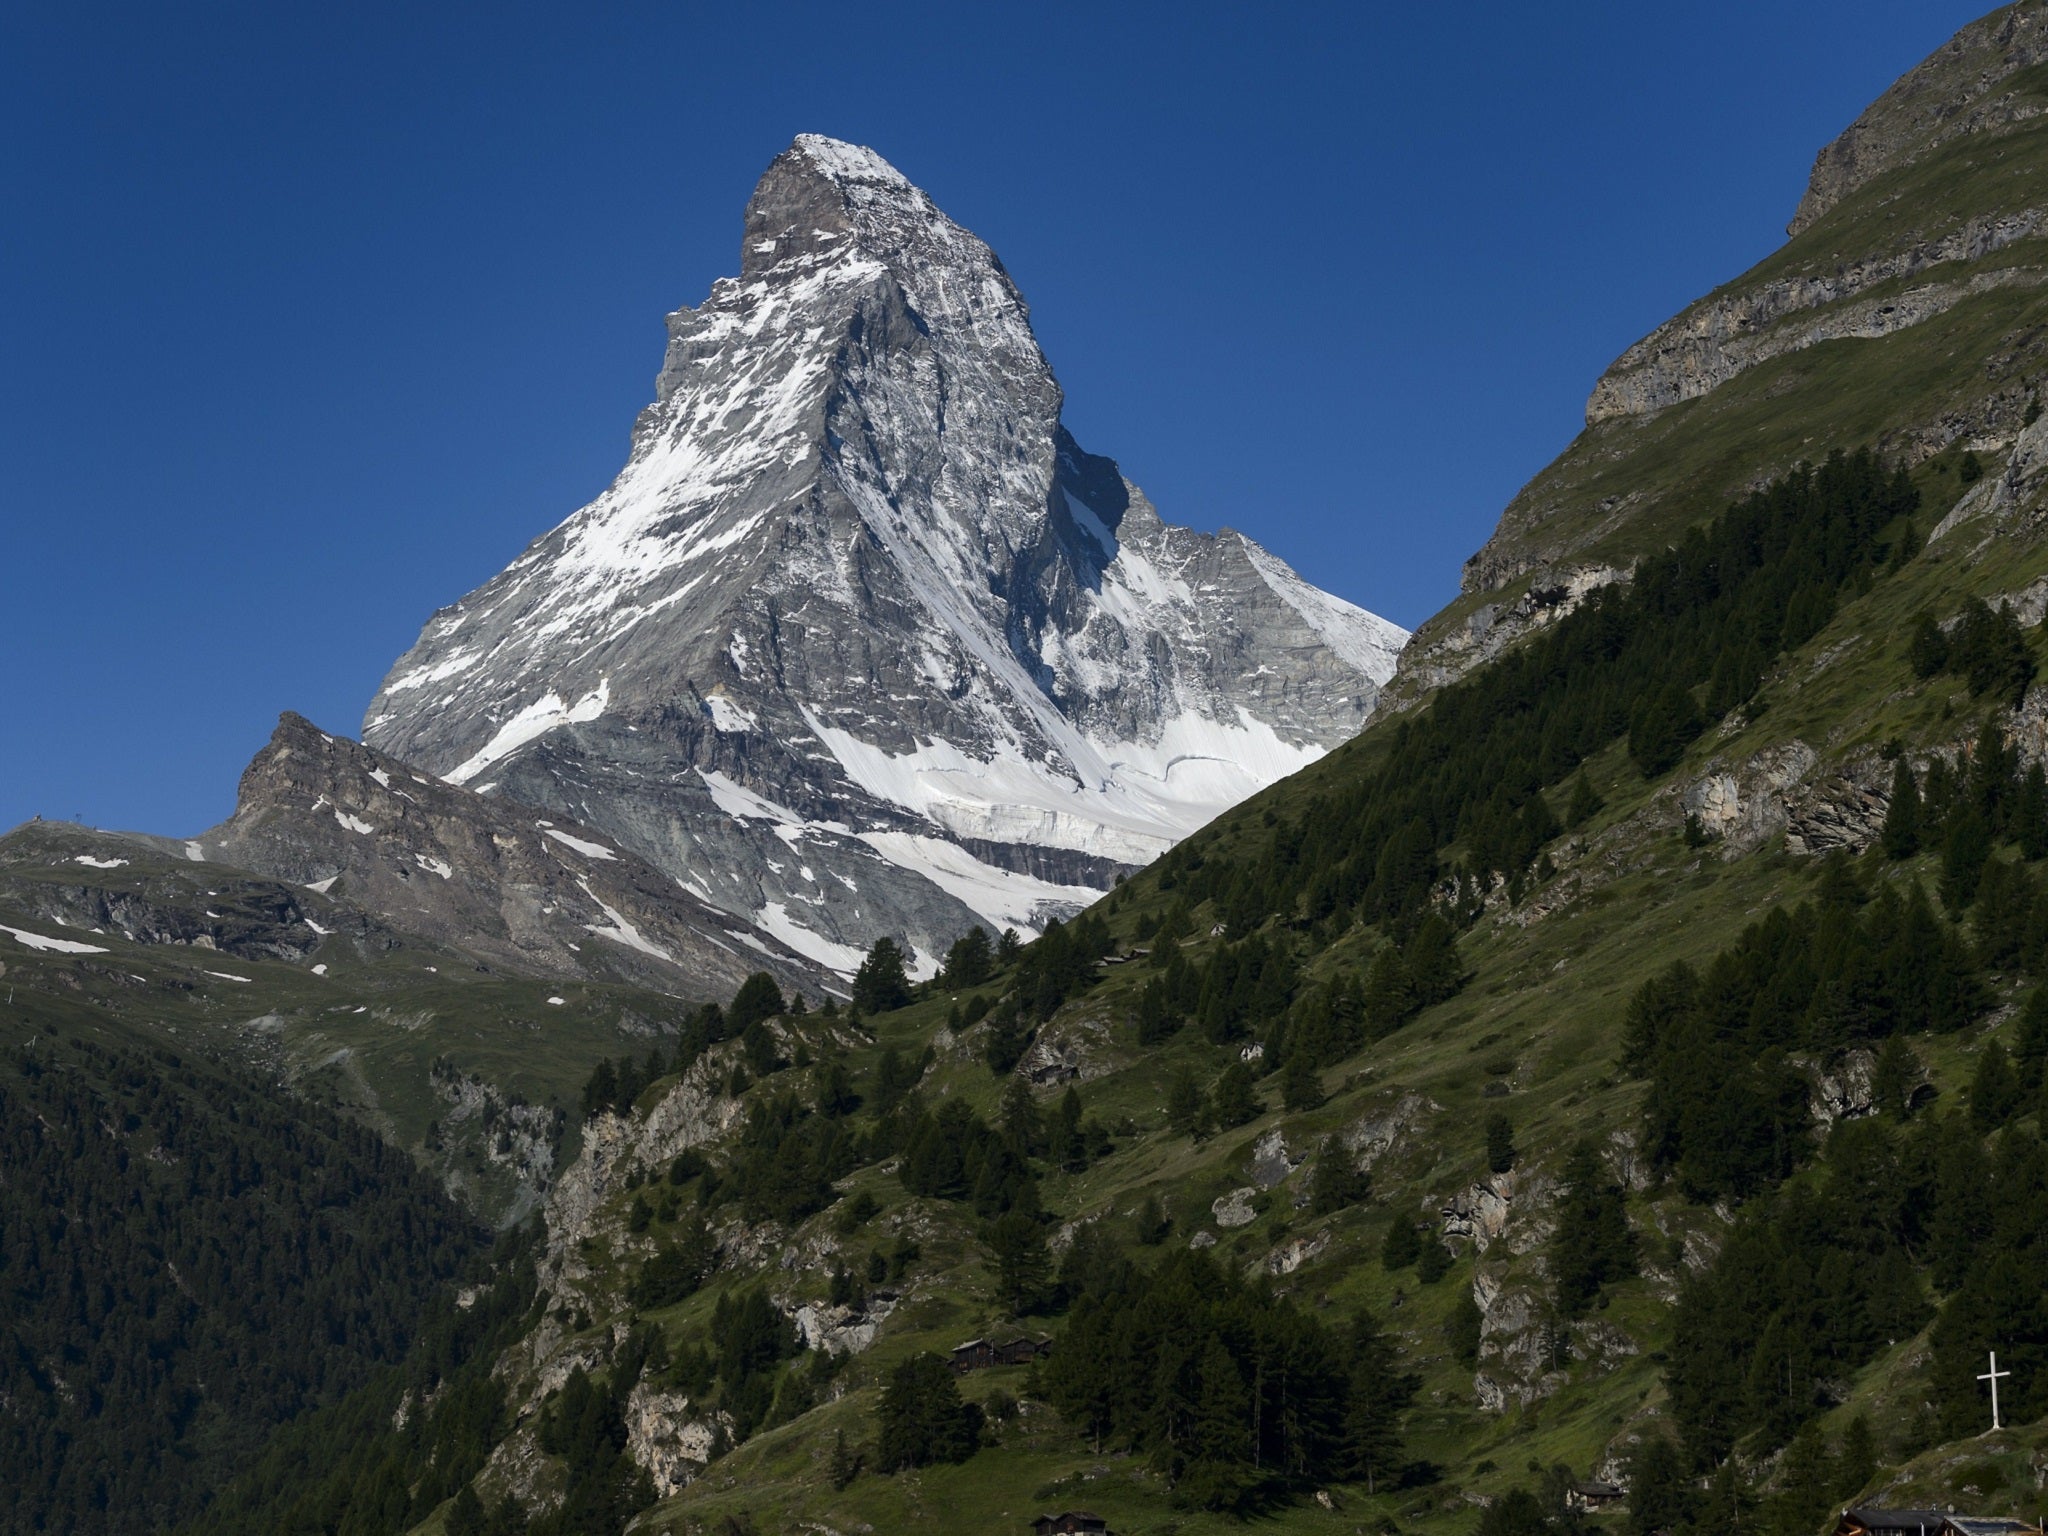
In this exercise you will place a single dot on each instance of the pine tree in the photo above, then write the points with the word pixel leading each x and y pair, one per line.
pixel 1585 803
pixel 1337 1182
pixel 1900 837
pixel 1151 1225
pixel 1066 1148
pixel 1218 1474
pixel 1927 647
pixel 1433 1263
pixel 758 998
pixel 1403 1245
pixel 1856 1463
pixel 1380 1394
pixel 1234 1101
pixel 1664 725
pixel 1301 1085
pixel 1022 1128
pixel 1389 993
pixel 922 1419
pixel 1726 1505
pixel 1660 1494
pixel 1500 1142
pixel 1963 854
pixel 844 1466
pixel 1518 1512
pixel 2030 1044
pixel 466 1515
pixel 1464 1330
pixel 1894 1077
pixel 881 985
pixel 1023 1268
pixel 1593 1246
pixel 1995 1094
pixel 1805 1484
pixel 1187 1111
pixel 1990 651
pixel 2029 820
pixel 970 962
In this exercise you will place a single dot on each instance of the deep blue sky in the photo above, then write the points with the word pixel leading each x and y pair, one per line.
pixel 314 316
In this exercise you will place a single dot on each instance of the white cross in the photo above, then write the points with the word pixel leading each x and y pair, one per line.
pixel 1992 1376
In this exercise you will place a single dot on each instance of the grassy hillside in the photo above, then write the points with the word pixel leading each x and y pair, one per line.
pixel 1623 1062
pixel 1536 1030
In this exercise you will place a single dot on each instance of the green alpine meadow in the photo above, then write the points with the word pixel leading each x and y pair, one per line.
pixel 1606 1091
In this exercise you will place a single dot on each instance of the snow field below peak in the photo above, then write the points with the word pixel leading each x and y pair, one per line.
pixel 534 721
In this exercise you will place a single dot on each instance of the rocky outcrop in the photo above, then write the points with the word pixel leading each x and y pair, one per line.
pixel 1707 346
pixel 666 1440
pixel 1379 1132
pixel 1296 1252
pixel 1964 88
pixel 1236 1208
pixel 514 1139
pixel 1480 1212
pixel 2013 499
pixel 861 641
pixel 1441 655
pixel 1844 1091
pixel 1520 1358
pixel 533 894
pixel 1271 1165
pixel 695 1112
pixel 843 1329
pixel 116 883
pixel 1747 806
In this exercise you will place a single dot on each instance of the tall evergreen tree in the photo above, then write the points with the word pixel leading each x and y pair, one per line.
pixel 1592 1246
pixel 922 1419
pixel 881 984
pixel 1301 1085
pixel 970 962
pixel 1900 836
pixel 1500 1142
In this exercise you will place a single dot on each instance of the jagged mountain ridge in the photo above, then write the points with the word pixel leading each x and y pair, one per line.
pixel 861 641
pixel 1902 312
pixel 480 873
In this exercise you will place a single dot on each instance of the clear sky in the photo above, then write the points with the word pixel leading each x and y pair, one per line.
pixel 314 315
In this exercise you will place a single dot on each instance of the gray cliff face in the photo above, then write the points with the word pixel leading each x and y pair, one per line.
pixel 1713 342
pixel 1964 87
pixel 511 886
pixel 1829 290
pixel 860 641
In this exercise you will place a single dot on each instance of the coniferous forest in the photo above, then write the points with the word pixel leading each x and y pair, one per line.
pixel 168 1225
pixel 359 1397
pixel 189 1260
pixel 1598 1084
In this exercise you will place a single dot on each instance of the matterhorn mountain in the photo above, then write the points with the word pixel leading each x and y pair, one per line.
pixel 860 641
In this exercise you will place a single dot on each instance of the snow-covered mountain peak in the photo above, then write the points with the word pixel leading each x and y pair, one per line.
pixel 860 641
pixel 849 163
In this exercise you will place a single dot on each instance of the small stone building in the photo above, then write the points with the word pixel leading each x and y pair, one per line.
pixel 1592 1497
pixel 1070 1522
pixel 980 1354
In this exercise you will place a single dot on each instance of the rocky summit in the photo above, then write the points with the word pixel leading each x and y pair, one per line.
pixel 861 641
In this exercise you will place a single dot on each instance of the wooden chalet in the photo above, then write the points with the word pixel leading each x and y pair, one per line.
pixel 981 1354
pixel 1928 1522
pixel 1070 1522
pixel 1590 1497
